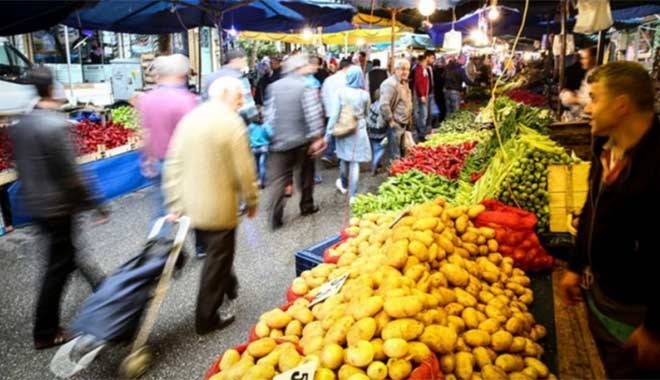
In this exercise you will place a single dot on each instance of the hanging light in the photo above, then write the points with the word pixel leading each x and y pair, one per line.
pixel 307 34
pixel 479 37
pixel 360 42
pixel 233 32
pixel 493 13
pixel 426 7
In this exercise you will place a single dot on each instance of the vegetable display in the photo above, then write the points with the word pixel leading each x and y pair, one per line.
pixel 432 289
pixel 460 121
pixel 403 190
pixel 126 116
pixel 444 160
pixel 6 150
pixel 527 97
pixel 90 135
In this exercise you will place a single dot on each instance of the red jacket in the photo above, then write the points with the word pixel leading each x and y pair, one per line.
pixel 422 81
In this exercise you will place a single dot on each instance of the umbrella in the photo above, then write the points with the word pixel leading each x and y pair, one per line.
pixel 17 17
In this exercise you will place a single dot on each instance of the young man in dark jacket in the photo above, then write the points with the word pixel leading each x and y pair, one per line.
pixel 52 190
pixel 615 258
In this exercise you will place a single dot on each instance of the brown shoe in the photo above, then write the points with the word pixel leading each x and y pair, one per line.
pixel 60 338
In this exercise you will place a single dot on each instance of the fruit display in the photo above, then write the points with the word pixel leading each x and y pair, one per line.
pixel 444 160
pixel 126 116
pixel 432 287
pixel 403 190
pixel 6 150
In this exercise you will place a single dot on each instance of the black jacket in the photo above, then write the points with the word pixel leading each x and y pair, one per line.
pixel 454 77
pixel 618 231
pixel 377 76
pixel 51 185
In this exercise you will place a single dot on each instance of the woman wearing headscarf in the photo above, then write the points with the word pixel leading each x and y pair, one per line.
pixel 355 147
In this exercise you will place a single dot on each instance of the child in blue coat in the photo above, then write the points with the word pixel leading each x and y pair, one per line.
pixel 260 134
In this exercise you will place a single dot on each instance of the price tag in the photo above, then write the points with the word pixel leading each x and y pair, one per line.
pixel 305 371
pixel 329 289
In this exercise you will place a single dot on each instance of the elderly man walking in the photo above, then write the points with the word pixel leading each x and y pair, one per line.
pixel 209 168
pixel 396 106
pixel 295 114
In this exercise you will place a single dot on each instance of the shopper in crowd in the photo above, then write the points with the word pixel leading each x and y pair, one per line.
pixel 235 66
pixel 273 74
pixel 260 134
pixel 295 114
pixel 575 95
pixel 615 258
pixel 377 134
pixel 376 77
pixel 160 111
pixel 328 95
pixel 52 191
pixel 439 86
pixel 396 107
pixel 354 147
pixel 454 79
pixel 322 72
pixel 422 89
pixel 208 170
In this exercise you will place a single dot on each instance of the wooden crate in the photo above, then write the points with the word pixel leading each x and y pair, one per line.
pixel 574 137
pixel 567 189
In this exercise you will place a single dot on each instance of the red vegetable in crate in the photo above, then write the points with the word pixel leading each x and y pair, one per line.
pixel 444 160
pixel 6 150
pixel 527 97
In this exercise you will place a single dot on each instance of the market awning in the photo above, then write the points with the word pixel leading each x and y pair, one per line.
pixel 349 37
pixel 171 16
pixel 20 16
pixel 412 41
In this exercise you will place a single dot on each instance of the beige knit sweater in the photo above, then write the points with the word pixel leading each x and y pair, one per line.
pixel 210 167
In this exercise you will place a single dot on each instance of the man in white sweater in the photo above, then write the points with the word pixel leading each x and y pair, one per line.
pixel 209 168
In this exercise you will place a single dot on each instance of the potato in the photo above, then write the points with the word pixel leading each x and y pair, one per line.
pixel 492 372
pixel 397 254
pixel 229 358
pixel 538 366
pixel 531 372
pixel 260 371
pixel 456 275
pixel 395 347
pixel 481 357
pixel 324 374
pixel 514 325
pixel 261 329
pixel 368 307
pixel 518 344
pixel 377 371
pixel 299 287
pixel 360 355
pixel 377 345
pixel 364 329
pixel 382 319
pixel 454 308
pixel 312 345
pixel 418 352
pixel 519 376
pixel 464 298
pixel 532 349
pixel 477 338
pixel 489 325
pixel 261 347
pixel 332 356
pixel 403 306
pixel 456 323
pixel 440 339
pixel 347 370
pixel 398 369
pixel 313 329
pixel 337 333
pixel 406 328
pixel 419 250
pixel 276 319
pixel 445 244
pixel 501 341
pixel 464 365
pixel 447 363
pixel 276 333
pixel 425 224
pixel 289 359
pixel 510 363
pixel 294 328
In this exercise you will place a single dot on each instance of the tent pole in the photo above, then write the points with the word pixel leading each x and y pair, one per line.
pixel 562 56
pixel 346 43
pixel 392 40
pixel 600 50
pixel 68 59
pixel 199 59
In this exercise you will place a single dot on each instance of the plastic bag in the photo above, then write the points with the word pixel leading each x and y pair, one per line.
pixel 514 233
pixel 593 16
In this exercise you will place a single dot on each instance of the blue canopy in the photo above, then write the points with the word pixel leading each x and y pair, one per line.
pixel 621 16
pixel 17 17
pixel 171 16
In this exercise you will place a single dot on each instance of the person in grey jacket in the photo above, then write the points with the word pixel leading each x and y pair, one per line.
pixel 52 190
pixel 295 114
pixel 396 106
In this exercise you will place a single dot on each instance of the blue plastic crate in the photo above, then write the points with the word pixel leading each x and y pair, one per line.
pixel 310 257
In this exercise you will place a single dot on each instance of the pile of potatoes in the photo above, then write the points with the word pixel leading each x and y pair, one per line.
pixel 432 284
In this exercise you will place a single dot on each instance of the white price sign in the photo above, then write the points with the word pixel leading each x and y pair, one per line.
pixel 329 289
pixel 305 371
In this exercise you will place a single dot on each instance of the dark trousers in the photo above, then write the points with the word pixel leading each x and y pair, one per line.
pixel 5 206
pixel 61 262
pixel 618 363
pixel 218 278
pixel 280 169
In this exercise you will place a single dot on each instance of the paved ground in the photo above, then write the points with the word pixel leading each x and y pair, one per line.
pixel 264 264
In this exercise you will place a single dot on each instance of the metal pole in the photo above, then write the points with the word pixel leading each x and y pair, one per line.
pixel 199 59
pixel 600 50
pixel 68 58
pixel 562 56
